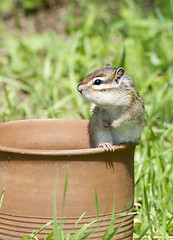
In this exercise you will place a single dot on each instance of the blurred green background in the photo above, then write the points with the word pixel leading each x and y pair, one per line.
pixel 48 46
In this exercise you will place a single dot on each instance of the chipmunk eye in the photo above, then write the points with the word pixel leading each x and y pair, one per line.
pixel 97 82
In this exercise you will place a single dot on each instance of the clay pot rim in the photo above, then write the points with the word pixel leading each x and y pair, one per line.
pixel 61 152
pixel 69 152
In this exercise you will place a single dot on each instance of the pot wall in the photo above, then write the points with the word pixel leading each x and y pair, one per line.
pixel 31 167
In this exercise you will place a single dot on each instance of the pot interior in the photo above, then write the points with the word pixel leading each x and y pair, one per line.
pixel 45 134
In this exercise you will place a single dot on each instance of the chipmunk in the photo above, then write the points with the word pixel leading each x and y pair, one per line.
pixel 118 116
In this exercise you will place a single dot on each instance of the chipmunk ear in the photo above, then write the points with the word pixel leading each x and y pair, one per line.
pixel 107 65
pixel 119 75
pixel 120 72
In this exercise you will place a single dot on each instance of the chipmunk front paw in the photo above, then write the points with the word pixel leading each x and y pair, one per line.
pixel 108 147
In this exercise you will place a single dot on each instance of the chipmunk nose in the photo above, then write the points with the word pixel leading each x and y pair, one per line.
pixel 79 88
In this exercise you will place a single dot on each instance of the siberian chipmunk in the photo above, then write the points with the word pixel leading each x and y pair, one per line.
pixel 118 116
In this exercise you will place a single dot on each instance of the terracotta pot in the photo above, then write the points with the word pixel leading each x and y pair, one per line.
pixel 35 154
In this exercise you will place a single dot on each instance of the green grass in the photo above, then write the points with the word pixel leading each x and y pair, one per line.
pixel 39 74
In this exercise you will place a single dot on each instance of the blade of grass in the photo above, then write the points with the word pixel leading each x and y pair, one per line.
pixel 58 232
pixel 145 230
pixel 87 235
pixel 55 225
pixel 111 226
pixel 147 205
pixel 50 236
pixel 79 233
pixel 76 223
pixel 29 236
pixel 64 196
pixel 115 231
pixel 10 106
pixel 97 210
pixel 44 227
pixel 12 81
pixel 2 196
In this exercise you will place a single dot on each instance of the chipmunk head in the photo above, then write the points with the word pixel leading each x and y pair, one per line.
pixel 107 86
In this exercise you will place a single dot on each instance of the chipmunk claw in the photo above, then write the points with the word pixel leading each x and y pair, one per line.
pixel 108 147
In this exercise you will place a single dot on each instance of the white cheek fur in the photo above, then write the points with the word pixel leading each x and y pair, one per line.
pixel 101 86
